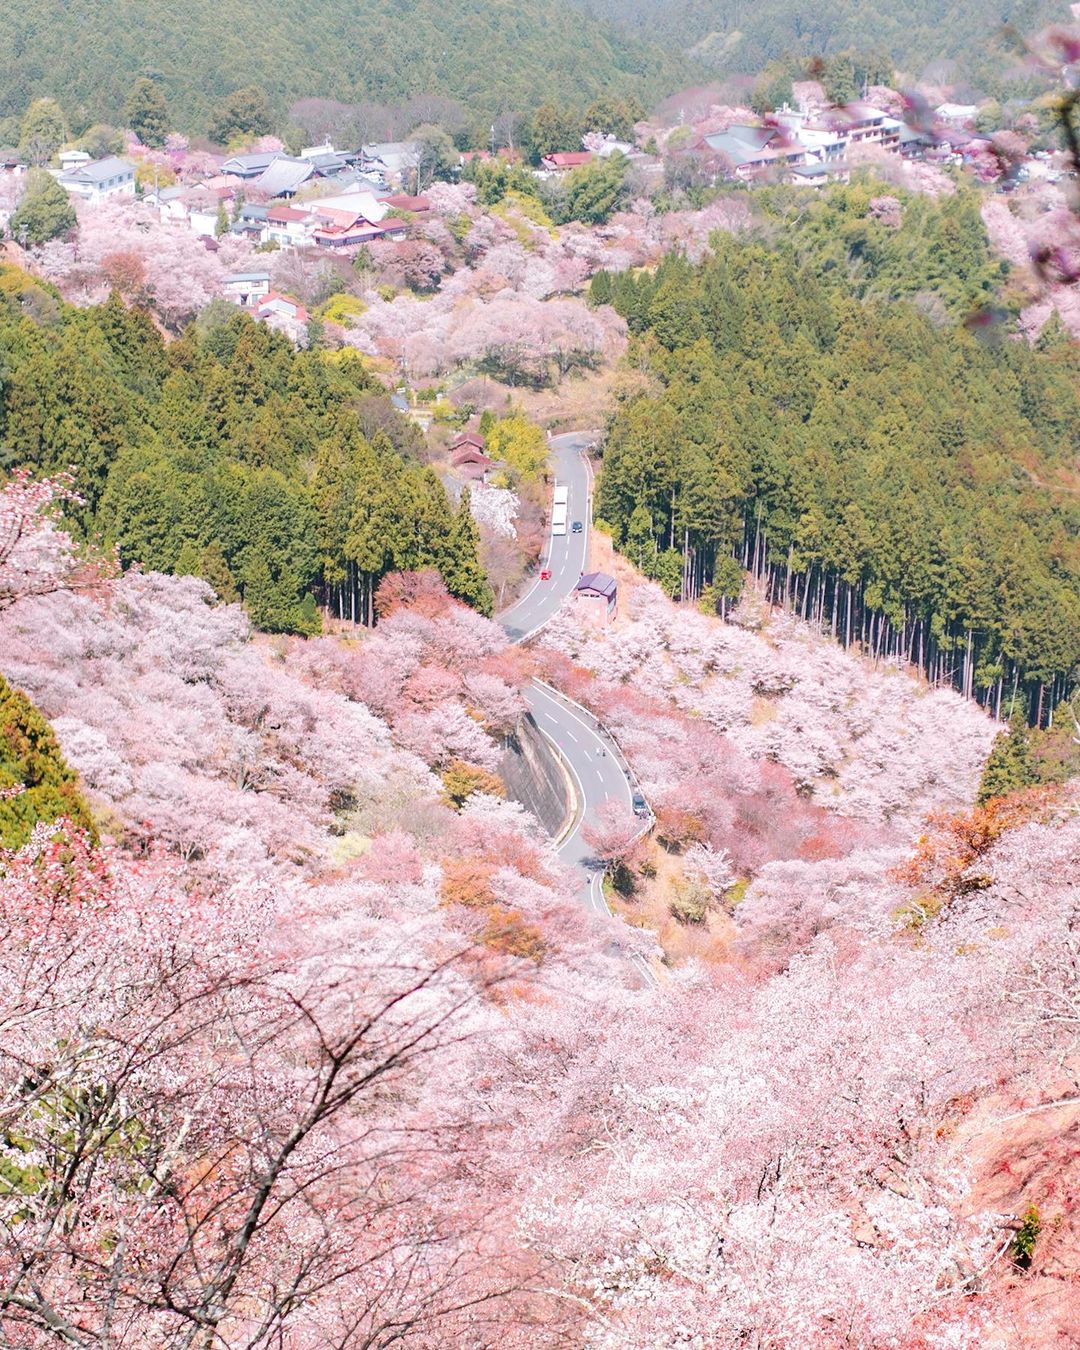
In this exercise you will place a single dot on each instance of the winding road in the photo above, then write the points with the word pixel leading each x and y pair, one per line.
pixel 593 762
pixel 566 555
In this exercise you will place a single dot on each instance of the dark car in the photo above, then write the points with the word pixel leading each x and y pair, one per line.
pixel 577 527
pixel 641 807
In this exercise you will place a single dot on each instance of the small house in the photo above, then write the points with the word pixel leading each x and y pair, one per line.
pixel 282 305
pixel 597 596
pixel 816 174
pixel 100 179
pixel 289 226
pixel 562 161
pixel 73 159
pixel 247 287
pixel 468 458
pixel 468 438
pixel 957 114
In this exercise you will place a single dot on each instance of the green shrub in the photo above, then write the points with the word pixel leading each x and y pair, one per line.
pixel 1027 1235
pixel 30 759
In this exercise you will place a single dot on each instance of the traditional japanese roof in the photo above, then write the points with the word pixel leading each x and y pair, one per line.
pixel 99 171
pixel 327 164
pixel 284 175
pixel 470 454
pixel 568 159
pixel 597 583
pixel 468 438
pixel 247 166
pixel 340 219
pixel 359 233
pixel 816 170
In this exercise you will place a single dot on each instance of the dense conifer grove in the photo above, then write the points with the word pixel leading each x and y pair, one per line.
pixel 283 478
pixel 897 472
pixel 492 55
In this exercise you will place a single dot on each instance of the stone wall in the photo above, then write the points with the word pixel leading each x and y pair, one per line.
pixel 533 776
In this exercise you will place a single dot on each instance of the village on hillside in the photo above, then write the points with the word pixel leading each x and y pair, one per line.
pixel 329 202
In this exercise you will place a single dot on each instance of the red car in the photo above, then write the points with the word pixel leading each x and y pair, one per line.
pixel 545 574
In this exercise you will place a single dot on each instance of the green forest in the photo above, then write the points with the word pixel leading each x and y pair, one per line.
pixel 892 465
pixel 492 55
pixel 974 39
pixel 283 478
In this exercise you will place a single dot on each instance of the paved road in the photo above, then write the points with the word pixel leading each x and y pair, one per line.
pixel 565 554
pixel 591 759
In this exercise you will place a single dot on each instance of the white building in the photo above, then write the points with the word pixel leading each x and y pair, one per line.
pixel 99 179
pixel 247 287
pixel 73 159
pixel 314 151
pixel 957 114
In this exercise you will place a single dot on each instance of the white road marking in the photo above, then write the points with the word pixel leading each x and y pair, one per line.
pixel 600 741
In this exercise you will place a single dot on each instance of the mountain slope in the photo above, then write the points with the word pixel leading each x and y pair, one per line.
pixel 734 36
pixel 492 54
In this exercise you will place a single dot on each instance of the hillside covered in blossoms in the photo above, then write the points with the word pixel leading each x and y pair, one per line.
pixel 539 677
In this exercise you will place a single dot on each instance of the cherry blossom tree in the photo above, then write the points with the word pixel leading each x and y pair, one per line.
pixel 162 264
pixel 219 1135
pixel 37 556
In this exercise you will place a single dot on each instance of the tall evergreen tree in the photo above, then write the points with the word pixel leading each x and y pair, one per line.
pixel 465 576
pixel 35 782
pixel 43 130
pixel 1009 766
pixel 44 213
pixel 146 113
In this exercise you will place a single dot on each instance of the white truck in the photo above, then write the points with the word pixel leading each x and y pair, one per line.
pixel 562 494
pixel 558 519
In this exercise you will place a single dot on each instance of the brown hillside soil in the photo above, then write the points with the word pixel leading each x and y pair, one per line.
pixel 1025 1154
pixel 649 907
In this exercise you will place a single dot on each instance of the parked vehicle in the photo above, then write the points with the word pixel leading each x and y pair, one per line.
pixel 545 574
pixel 641 806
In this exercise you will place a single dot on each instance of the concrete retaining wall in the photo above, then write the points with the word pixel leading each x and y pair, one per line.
pixel 533 776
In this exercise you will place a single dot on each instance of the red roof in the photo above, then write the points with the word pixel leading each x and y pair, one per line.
pixel 358 233
pixel 283 214
pixel 338 219
pixel 470 454
pixel 569 159
pixel 401 201
pixel 468 438
pixel 266 302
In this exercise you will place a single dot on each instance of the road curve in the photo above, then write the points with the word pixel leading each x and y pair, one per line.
pixel 593 762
